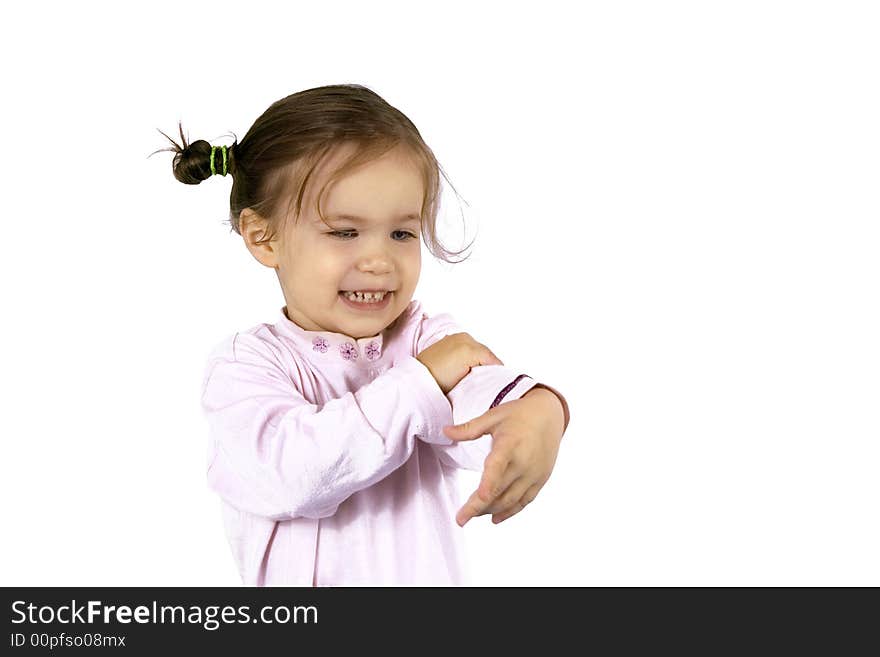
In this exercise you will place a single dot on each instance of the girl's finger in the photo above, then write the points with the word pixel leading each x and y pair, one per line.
pixel 473 507
pixel 498 474
pixel 494 469
pixel 529 495
pixel 509 498
pixel 476 427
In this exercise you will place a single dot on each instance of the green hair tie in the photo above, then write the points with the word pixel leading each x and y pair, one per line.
pixel 213 150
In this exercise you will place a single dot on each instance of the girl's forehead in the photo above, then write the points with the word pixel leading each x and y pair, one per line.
pixel 340 193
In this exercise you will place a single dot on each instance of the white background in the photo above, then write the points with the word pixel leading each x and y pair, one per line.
pixel 676 210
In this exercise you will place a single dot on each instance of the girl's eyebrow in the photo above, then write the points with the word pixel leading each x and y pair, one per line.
pixel 353 218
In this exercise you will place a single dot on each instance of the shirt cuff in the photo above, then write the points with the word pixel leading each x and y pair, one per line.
pixel 484 388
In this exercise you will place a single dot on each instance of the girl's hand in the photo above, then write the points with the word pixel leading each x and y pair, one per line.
pixel 526 433
pixel 451 358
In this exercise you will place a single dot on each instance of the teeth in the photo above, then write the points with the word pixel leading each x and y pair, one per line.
pixel 365 297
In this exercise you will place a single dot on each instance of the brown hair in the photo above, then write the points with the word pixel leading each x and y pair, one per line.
pixel 275 160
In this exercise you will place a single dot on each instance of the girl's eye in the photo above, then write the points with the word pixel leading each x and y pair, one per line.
pixel 348 234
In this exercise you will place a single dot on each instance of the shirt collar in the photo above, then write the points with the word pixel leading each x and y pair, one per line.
pixel 326 347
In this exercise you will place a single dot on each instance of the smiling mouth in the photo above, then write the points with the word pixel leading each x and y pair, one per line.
pixel 366 297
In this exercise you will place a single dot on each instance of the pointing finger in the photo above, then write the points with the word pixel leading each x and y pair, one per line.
pixel 476 427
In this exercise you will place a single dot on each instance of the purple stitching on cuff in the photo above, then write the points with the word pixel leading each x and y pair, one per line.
pixel 506 389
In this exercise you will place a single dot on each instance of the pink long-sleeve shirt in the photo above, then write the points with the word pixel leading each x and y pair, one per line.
pixel 329 457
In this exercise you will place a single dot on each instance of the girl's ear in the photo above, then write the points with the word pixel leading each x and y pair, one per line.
pixel 252 227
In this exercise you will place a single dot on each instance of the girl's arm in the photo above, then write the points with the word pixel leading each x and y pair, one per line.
pixel 484 387
pixel 276 455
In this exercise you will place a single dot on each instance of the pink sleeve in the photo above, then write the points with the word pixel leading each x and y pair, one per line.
pixel 485 387
pixel 276 455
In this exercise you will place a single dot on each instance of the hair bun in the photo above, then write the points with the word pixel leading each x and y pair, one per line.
pixel 192 162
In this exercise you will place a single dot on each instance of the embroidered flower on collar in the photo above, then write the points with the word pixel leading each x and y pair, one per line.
pixel 348 351
pixel 320 344
pixel 372 351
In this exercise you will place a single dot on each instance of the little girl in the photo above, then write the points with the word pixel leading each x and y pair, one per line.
pixel 330 439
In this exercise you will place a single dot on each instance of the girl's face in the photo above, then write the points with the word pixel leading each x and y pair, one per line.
pixel 372 243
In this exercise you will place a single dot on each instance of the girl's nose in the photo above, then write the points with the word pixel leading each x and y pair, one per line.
pixel 375 254
pixel 378 263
